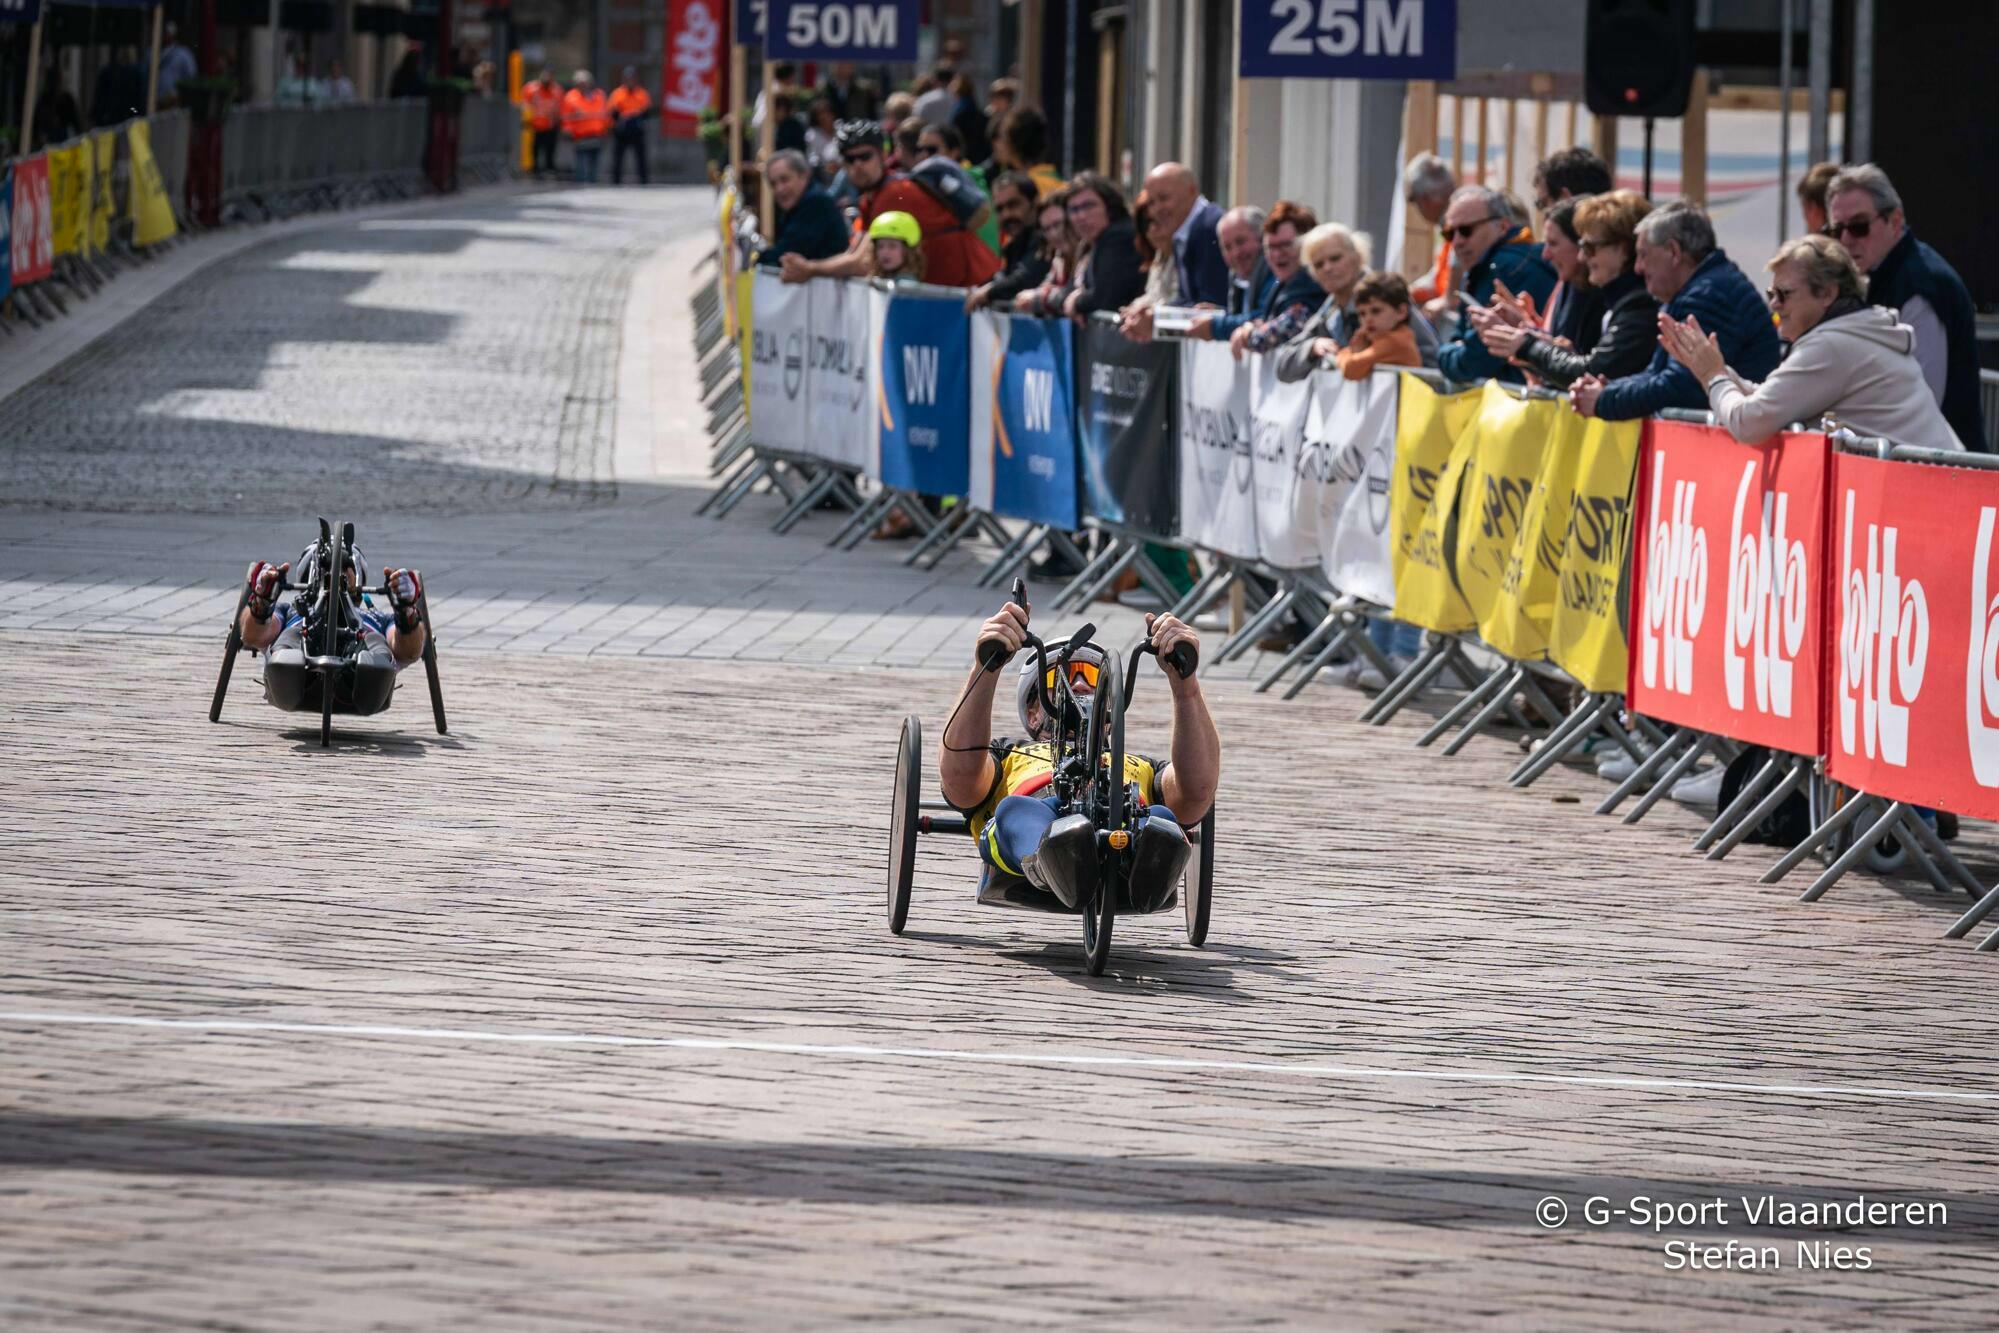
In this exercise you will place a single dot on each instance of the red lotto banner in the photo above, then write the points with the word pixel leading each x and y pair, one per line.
pixel 32 249
pixel 692 70
pixel 1727 622
pixel 1915 634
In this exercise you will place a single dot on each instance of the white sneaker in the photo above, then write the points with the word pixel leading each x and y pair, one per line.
pixel 1618 767
pixel 1701 788
pixel 1369 678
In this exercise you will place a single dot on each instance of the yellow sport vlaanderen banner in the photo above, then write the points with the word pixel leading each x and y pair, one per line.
pixel 1429 427
pixel 104 147
pixel 745 286
pixel 69 199
pixel 152 211
pixel 1498 479
pixel 1517 619
pixel 1588 636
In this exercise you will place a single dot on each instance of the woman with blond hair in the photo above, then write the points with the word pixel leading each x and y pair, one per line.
pixel 1848 360
pixel 1607 238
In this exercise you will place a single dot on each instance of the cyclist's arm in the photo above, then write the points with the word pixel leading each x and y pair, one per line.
pixel 1188 784
pixel 965 768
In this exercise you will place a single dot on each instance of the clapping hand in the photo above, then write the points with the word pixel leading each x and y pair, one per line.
pixel 1693 347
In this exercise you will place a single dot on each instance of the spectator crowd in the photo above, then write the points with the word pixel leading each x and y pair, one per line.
pixel 1625 304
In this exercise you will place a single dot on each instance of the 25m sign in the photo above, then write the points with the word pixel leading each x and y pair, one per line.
pixel 876 30
pixel 1349 39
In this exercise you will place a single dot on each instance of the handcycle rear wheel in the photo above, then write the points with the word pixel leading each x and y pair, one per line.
pixel 1106 738
pixel 902 821
pixel 231 645
pixel 1197 891
pixel 430 662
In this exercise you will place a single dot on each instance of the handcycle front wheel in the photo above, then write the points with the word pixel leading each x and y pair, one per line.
pixel 1106 740
pixel 902 821
pixel 232 644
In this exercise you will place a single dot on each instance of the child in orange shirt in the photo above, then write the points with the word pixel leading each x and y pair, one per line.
pixel 1381 306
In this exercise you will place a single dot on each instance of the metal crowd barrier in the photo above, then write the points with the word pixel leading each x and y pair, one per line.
pixel 281 160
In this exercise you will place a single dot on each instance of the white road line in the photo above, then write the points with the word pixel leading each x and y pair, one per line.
pixel 1287 1069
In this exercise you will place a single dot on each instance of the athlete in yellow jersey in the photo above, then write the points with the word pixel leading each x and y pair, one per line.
pixel 1004 786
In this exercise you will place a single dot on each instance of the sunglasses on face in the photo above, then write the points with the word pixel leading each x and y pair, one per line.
pixel 1776 296
pixel 858 155
pixel 1859 226
pixel 1587 246
pixel 1463 231
pixel 1080 673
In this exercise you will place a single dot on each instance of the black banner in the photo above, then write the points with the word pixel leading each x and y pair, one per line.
pixel 1127 418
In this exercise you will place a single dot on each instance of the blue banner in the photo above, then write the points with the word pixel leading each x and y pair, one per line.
pixel 20 11
pixel 1349 39
pixel 750 17
pixel 1031 434
pixel 924 354
pixel 1128 428
pixel 870 30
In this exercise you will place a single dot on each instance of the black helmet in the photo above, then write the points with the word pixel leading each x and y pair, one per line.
pixel 859 134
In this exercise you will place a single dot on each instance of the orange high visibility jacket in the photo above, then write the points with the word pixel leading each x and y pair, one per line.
pixel 629 102
pixel 544 104
pixel 584 115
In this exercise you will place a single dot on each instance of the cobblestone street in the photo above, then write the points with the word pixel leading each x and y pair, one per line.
pixel 585 1014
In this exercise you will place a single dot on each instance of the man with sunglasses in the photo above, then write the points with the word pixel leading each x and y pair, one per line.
pixel 952 256
pixel 1491 247
pixel 1864 214
pixel 1003 787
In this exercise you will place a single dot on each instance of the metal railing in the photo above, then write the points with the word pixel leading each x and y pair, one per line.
pixel 1988 394
pixel 287 159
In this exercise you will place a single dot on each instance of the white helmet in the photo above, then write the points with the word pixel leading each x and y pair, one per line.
pixel 1024 685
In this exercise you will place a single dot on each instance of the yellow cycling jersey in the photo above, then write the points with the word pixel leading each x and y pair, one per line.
pixel 1018 764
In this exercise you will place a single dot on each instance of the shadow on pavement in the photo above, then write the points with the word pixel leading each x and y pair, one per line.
pixel 908 1175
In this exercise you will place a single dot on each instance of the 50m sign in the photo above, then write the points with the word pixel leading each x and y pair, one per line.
pixel 879 30
pixel 1349 39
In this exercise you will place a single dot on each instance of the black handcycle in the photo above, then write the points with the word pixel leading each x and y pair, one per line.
pixel 1087 749
pixel 331 671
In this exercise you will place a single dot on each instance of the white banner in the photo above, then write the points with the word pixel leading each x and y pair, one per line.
pixel 1287 480
pixel 1354 422
pixel 988 331
pixel 1217 504
pixel 781 329
pixel 840 379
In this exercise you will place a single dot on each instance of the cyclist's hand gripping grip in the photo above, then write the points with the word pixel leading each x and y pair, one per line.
pixel 992 653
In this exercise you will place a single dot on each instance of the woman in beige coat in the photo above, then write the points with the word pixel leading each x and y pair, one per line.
pixel 1848 360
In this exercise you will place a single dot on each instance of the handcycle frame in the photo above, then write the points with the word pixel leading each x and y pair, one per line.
pixel 324 657
pixel 1086 784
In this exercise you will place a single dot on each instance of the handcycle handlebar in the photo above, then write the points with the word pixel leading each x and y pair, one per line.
pixel 993 654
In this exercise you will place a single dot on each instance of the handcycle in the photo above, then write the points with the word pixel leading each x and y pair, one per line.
pixel 332 671
pixel 1087 748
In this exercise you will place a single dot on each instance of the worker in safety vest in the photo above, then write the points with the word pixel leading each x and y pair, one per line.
pixel 630 105
pixel 541 104
pixel 586 119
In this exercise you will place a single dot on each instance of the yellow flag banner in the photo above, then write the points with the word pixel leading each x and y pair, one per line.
pixel 725 257
pixel 745 285
pixel 1517 619
pixel 1422 492
pixel 104 147
pixel 1587 637
pixel 69 199
pixel 152 211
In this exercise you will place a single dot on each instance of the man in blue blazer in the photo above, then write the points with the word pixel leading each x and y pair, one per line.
pixel 1177 203
pixel 1689 277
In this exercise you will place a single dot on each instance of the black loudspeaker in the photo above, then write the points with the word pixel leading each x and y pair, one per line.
pixel 305 15
pixel 1638 57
